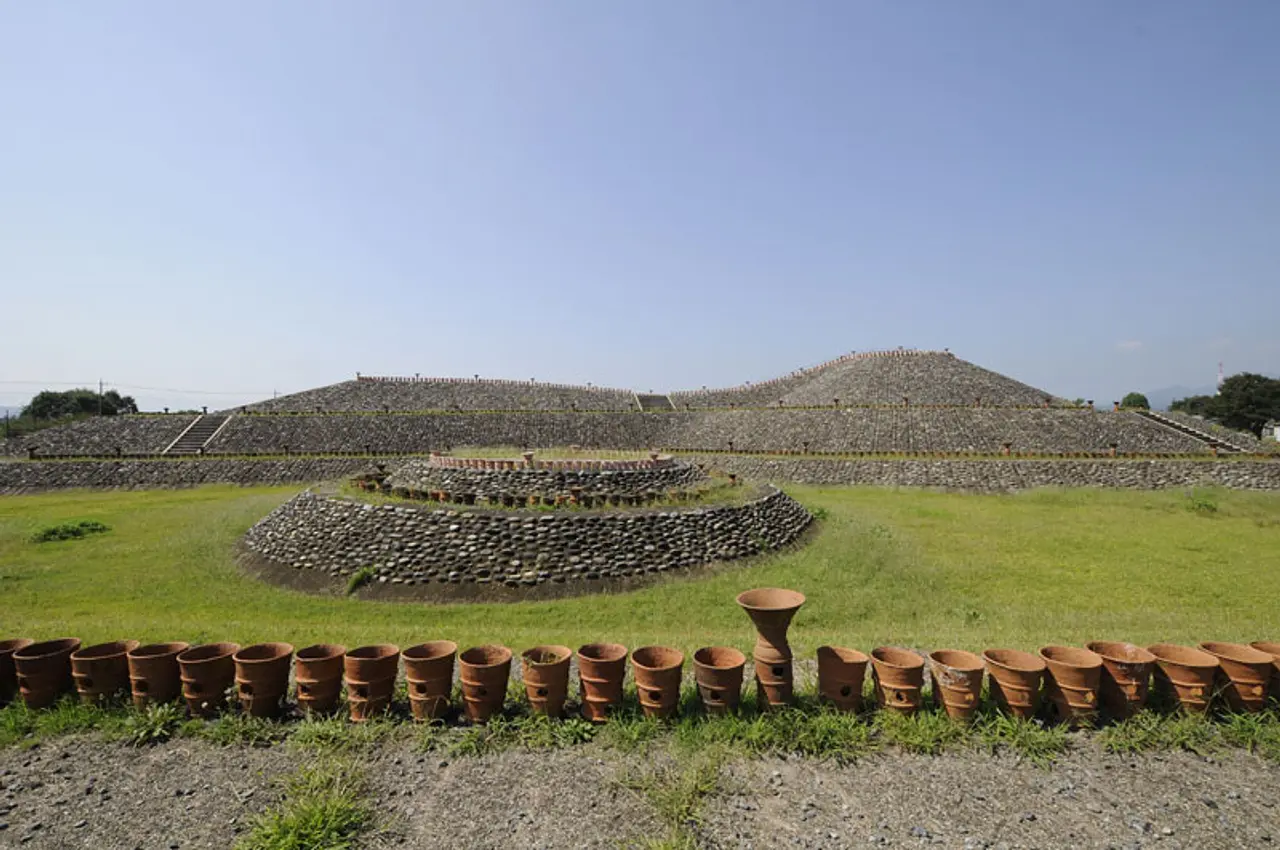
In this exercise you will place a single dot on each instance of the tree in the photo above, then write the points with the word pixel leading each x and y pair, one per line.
pixel 51 404
pixel 1246 402
pixel 1135 400
pixel 1192 404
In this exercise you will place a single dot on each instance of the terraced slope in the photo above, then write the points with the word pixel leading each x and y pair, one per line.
pixel 410 394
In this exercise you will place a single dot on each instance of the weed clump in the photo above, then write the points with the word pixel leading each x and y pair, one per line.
pixel 69 531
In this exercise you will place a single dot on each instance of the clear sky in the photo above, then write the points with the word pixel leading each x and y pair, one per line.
pixel 244 197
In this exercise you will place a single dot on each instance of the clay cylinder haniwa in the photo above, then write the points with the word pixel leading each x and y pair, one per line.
pixel 484 674
pixel 771 610
pixel 8 675
pixel 207 671
pixel 1272 649
pixel 602 667
pixel 154 677
pixel 101 671
pixel 718 673
pixel 262 677
pixel 899 678
pixel 545 670
pixel 44 670
pixel 957 682
pixel 1126 672
pixel 658 670
pixel 1073 680
pixel 1184 674
pixel 841 672
pixel 428 667
pixel 1243 673
pixel 370 676
pixel 1015 678
pixel 318 670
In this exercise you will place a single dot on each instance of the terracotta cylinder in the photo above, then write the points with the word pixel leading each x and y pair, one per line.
pixel 1184 674
pixel 154 677
pixel 318 671
pixel 1272 649
pixel 1243 674
pixel 899 678
pixel 207 671
pixel 44 670
pixel 1016 677
pixel 428 667
pixel 658 670
pixel 771 610
pixel 718 673
pixel 262 677
pixel 370 676
pixel 1072 682
pixel 602 667
pixel 101 671
pixel 841 672
pixel 957 682
pixel 545 671
pixel 1126 672
pixel 8 674
pixel 484 674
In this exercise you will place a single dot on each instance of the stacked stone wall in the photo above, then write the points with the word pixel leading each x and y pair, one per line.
pixel 424 475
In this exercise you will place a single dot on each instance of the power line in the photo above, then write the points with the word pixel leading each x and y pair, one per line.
pixel 89 385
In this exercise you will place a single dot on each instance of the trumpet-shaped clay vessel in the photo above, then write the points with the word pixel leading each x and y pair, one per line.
pixel 771 610
pixel 1073 682
pixel 899 678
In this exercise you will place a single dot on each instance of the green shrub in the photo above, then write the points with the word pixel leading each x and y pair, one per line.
pixel 69 531
pixel 359 579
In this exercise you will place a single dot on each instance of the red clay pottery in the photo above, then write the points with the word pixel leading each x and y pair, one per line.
pixel 262 677
pixel 318 669
pixel 601 670
pixel 658 671
pixel 44 670
pixel 718 672
pixel 1243 673
pixel 1126 672
pixel 153 673
pixel 485 671
pixel 840 675
pixel 1072 683
pixel 1185 674
pixel 545 670
pixel 370 675
pixel 429 669
pixel 899 678
pixel 957 682
pixel 771 610
pixel 1272 649
pixel 1015 680
pixel 102 671
pixel 207 671
pixel 8 675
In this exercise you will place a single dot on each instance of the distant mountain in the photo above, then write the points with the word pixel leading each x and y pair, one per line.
pixel 1162 398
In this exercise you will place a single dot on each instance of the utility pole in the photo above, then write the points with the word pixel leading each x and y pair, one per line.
pixel 99 396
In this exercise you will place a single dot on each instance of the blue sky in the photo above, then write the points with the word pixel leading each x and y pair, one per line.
pixel 244 197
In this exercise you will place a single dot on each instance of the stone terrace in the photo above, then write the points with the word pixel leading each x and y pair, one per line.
pixel 105 435
pixel 411 394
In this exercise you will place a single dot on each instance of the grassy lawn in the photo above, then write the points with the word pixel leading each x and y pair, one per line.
pixel 885 567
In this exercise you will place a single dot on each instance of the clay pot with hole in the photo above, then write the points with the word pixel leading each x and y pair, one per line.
pixel 8 674
pixel 318 671
pixel 370 676
pixel 101 671
pixel 207 672
pixel 658 671
pixel 262 677
pixel 718 673
pixel 154 677
pixel 602 667
pixel 771 610
pixel 428 667
pixel 841 672
pixel 484 673
pixel 1126 673
pixel 957 682
pixel 1184 674
pixel 1072 682
pixel 44 670
pixel 899 678
pixel 545 671
pixel 1272 649
pixel 1243 674
pixel 1015 678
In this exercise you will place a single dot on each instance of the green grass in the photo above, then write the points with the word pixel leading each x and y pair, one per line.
pixel 323 809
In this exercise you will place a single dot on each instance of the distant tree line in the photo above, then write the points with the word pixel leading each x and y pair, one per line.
pixel 1245 402
pixel 52 407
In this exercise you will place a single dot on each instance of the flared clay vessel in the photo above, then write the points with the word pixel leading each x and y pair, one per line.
pixel 485 671
pixel 1072 682
pixel 771 610
pixel 8 675
pixel 318 671
pixel 101 671
pixel 1126 675
pixel 370 676
pixel 602 668
pixel 957 682
pixel 428 667
pixel 658 671
pixel 262 677
pixel 1272 649
pixel 44 670
pixel 1015 678
pixel 717 670
pixel 1243 673
pixel 841 672
pixel 1184 674
pixel 545 672
pixel 207 672
pixel 154 676
pixel 899 678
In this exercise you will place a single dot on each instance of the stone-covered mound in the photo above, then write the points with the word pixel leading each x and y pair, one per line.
pixel 376 394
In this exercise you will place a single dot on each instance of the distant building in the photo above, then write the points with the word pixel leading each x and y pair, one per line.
pixel 1271 431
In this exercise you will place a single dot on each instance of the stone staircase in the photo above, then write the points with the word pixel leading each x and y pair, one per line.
pixel 197 435
pixel 654 403
pixel 1203 436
